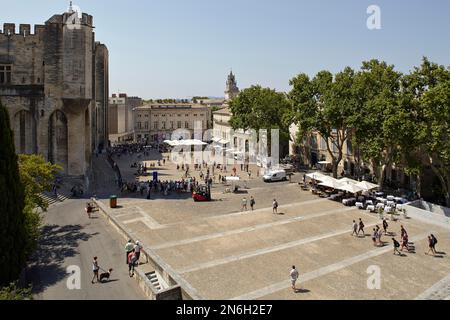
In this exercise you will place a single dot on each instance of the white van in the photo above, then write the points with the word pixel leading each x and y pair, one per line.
pixel 275 175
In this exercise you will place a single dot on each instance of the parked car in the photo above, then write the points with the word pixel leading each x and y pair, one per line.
pixel 275 175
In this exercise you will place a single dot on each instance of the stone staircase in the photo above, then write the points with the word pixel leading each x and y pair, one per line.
pixel 51 199
pixel 154 280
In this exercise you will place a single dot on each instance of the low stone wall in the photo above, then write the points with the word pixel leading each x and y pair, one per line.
pixel 434 208
pixel 435 215
pixel 178 288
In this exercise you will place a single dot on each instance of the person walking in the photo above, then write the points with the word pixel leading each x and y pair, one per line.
pixel 355 228
pixel 434 242
pixel 95 268
pixel 361 227
pixel 128 248
pixel 403 231
pixel 405 242
pixel 131 263
pixel 396 246
pixel 275 206
pixel 374 237
pixel 137 251
pixel 385 226
pixel 55 190
pixel 379 235
pixel 252 202
pixel 244 204
pixel 294 277
pixel 431 246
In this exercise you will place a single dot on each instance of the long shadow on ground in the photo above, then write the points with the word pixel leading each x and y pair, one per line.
pixel 57 243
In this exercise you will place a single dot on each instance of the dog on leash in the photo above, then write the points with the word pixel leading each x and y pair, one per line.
pixel 105 275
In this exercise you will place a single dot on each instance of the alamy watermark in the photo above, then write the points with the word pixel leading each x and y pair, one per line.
pixel 374 20
pixel 250 147
pixel 76 15
pixel 74 280
pixel 374 279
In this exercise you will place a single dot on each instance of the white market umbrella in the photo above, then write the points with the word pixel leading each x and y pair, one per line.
pixel 349 187
pixel 331 183
pixel 367 185
pixel 317 176
pixel 232 178
pixel 348 180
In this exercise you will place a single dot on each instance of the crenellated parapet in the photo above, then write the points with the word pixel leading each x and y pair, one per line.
pixel 9 29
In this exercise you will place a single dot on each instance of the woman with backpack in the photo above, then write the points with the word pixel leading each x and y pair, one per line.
pixel 396 246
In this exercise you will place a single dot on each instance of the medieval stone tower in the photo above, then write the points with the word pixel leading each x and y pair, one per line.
pixel 231 89
pixel 54 83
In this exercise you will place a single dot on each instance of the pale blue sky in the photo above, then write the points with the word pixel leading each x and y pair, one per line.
pixel 181 48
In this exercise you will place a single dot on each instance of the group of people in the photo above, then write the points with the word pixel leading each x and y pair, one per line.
pixel 358 227
pixel 128 149
pixel 245 201
pixel 133 253
pixel 160 186
pixel 253 203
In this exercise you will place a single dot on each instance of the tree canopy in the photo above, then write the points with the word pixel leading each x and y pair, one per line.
pixel 13 233
pixel 261 108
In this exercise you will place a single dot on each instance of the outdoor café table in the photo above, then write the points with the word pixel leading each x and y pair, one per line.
pixel 359 205
pixel 334 196
pixel 399 206
pixel 387 209
pixel 383 200
pixel 369 202
pixel 370 207
pixel 390 198
pixel 348 201
pixel 390 203
pixel 380 205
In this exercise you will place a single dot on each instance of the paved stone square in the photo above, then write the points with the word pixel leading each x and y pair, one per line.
pixel 224 253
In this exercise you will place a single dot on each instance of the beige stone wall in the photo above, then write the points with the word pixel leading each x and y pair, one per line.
pixel 151 121
pixel 101 95
pixel 57 95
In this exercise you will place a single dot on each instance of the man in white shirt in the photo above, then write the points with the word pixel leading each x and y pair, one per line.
pixel 244 204
pixel 354 228
pixel 137 250
pixel 294 278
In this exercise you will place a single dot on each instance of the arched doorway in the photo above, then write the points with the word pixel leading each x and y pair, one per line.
pixel 58 150
pixel 23 132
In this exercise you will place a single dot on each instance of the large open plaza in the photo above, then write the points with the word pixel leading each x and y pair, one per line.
pixel 222 252
pixel 225 154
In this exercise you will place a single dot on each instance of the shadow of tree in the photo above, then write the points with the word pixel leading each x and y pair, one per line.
pixel 56 243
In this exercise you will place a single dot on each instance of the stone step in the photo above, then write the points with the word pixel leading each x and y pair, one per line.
pixel 51 199
pixel 154 279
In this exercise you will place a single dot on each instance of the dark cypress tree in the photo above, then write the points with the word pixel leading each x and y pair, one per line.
pixel 13 236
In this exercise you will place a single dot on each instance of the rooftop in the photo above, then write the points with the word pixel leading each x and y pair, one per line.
pixel 176 106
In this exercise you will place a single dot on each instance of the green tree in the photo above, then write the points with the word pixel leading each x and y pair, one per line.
pixel 261 108
pixel 197 99
pixel 382 125
pixel 37 176
pixel 429 90
pixel 14 292
pixel 327 105
pixel 13 237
